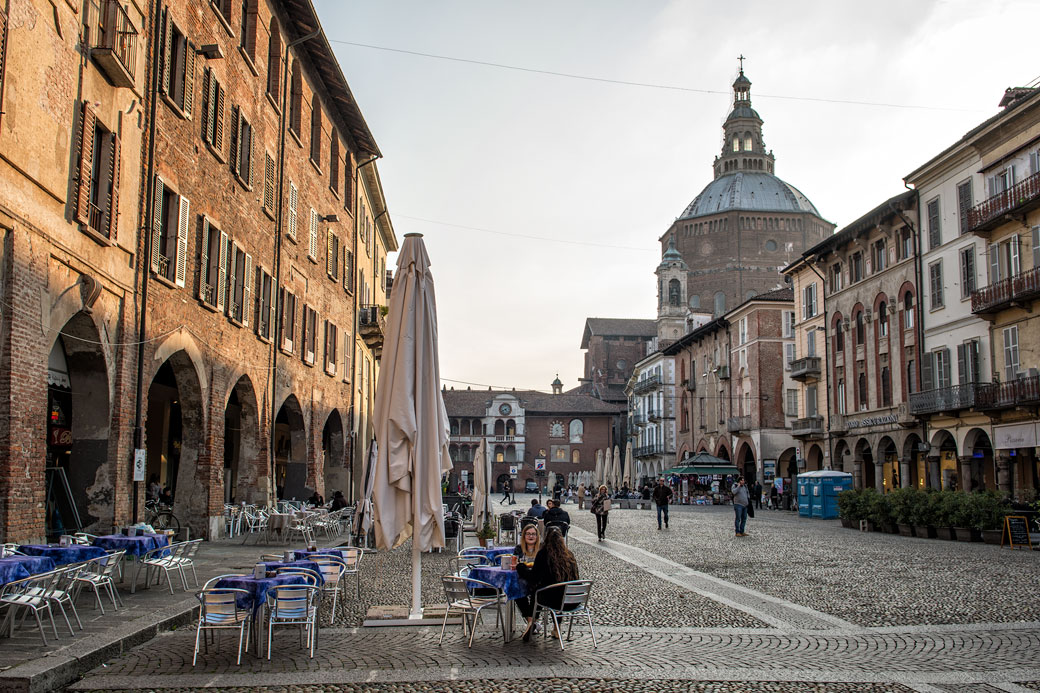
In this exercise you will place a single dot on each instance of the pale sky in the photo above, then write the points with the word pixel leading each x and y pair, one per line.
pixel 567 184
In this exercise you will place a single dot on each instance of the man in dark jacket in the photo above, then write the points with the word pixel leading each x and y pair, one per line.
pixel 662 495
pixel 554 513
pixel 537 509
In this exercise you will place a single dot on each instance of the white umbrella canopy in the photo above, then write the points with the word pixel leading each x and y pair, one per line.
pixel 363 514
pixel 598 475
pixel 411 422
pixel 608 468
pixel 616 469
pixel 481 485
pixel 630 476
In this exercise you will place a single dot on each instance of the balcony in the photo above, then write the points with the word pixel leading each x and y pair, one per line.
pixel 651 450
pixel 736 424
pixel 115 44
pixel 1020 392
pixel 372 326
pixel 646 384
pixel 945 399
pixel 1019 198
pixel 653 415
pixel 807 368
pixel 809 427
pixel 1007 293
pixel 639 420
pixel 722 373
pixel 509 439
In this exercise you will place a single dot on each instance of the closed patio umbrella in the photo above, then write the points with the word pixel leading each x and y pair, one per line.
pixel 411 422
pixel 363 516
pixel 608 468
pixel 630 475
pixel 616 467
pixel 481 485
pixel 598 475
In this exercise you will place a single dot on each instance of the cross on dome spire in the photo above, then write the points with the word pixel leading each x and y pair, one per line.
pixel 741 59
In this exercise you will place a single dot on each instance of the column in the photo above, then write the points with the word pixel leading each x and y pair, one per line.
pixel 934 478
pixel 904 473
pixel 964 463
pixel 879 477
pixel 857 473
pixel 1003 460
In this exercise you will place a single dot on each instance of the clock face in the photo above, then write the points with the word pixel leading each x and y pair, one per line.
pixel 505 409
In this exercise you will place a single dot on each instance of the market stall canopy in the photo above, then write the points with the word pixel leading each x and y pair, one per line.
pixel 703 464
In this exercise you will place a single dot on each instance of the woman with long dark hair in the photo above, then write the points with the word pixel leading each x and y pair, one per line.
pixel 601 508
pixel 554 563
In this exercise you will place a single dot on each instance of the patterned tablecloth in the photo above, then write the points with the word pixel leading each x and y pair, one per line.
pixel 341 553
pixel 134 546
pixel 19 567
pixel 63 555
pixel 491 553
pixel 257 587
pixel 309 565
pixel 506 580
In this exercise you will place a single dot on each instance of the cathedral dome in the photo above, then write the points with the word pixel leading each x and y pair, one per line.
pixel 748 190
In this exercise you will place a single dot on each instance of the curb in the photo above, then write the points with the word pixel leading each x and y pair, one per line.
pixel 57 670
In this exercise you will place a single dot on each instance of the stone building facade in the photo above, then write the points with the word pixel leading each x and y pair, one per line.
pixel 612 347
pixel 220 339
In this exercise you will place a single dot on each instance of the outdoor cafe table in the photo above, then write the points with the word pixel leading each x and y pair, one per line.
pixel 20 567
pixel 509 582
pixel 341 553
pixel 257 597
pixel 309 565
pixel 134 546
pixel 63 555
pixel 491 553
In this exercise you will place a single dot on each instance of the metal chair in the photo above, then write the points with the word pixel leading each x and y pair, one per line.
pixel 60 592
pixel 462 602
pixel 564 528
pixel 185 558
pixel 162 558
pixel 220 611
pixel 332 569
pixel 352 556
pixel 572 602
pixel 97 575
pixel 506 527
pixel 30 593
pixel 464 562
pixel 293 605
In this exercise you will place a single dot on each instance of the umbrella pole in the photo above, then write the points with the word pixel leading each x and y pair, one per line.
pixel 416 612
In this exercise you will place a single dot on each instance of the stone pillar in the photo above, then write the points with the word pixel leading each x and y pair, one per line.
pixel 904 473
pixel 934 478
pixel 857 473
pixel 879 477
pixel 1003 460
pixel 964 463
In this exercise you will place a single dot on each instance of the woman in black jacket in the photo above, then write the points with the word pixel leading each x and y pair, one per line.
pixel 601 508
pixel 554 563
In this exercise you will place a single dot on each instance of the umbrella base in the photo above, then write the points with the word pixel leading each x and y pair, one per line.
pixel 397 615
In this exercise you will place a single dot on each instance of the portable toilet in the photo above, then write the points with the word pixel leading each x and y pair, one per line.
pixel 818 492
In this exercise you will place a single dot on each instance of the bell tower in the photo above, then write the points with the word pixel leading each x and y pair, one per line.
pixel 671 295
pixel 743 148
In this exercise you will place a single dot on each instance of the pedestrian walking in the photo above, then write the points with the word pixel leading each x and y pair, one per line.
pixel 758 494
pixel 581 496
pixel 507 488
pixel 774 498
pixel 740 505
pixel 662 496
pixel 601 508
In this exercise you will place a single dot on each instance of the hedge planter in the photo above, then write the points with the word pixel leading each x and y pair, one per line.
pixel 947 533
pixel 992 536
pixel 925 531
pixel 847 523
pixel 889 528
pixel 967 534
pixel 906 530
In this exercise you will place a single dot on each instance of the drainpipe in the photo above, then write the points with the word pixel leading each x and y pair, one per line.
pixel 276 335
pixel 826 361
pixel 144 260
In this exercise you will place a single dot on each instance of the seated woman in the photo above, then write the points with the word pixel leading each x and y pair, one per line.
pixel 554 563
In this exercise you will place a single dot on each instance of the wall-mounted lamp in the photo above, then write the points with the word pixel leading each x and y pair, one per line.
pixel 210 51
pixel 331 218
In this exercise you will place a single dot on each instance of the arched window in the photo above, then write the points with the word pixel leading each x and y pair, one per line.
pixel 455 427
pixel 316 130
pixel 500 453
pixel 674 292
pixel 274 65
pixel 511 427
pixel 883 318
pixel 736 143
pixel 861 328
pixel 861 387
pixel 247 37
pixel 839 335
pixel 577 430
pixel 295 98
pixel 908 311
pixel 500 428
pixel 695 302
pixel 575 456
pixel 886 387
pixel 720 303
pixel 747 141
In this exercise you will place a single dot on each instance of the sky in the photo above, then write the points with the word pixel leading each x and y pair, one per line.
pixel 542 197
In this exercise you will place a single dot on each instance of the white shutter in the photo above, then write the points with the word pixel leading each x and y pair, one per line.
pixel 157 223
pixel 182 242
pixel 312 248
pixel 222 272
pixel 293 199
pixel 272 306
pixel 247 290
pixel 204 260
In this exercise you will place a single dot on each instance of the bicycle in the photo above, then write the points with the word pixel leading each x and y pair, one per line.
pixel 160 516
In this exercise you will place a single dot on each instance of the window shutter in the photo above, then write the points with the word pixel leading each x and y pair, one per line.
pixel 312 248
pixel 281 322
pixel 204 261
pixel 182 242
pixel 1033 161
pixel 166 51
pixel 268 181
pixel 329 256
pixel 189 78
pixel 1011 175
pixel 218 118
pixel 947 379
pixel 994 263
pixel 1013 265
pixel 272 307
pixel 962 364
pixel 113 193
pixel 208 101
pixel 249 164
pixel 222 272
pixel 157 223
pixel 3 50
pixel 88 122
pixel 926 371
pixel 293 199
pixel 236 135
pixel 247 290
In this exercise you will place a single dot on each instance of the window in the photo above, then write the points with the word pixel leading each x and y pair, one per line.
pixel 862 391
pixel 295 99
pixel 883 319
pixel 720 303
pixel 906 243
pixel 792 402
pixel 942 368
pixel 242 148
pixel 788 324
pixel 1004 261
pixel 964 204
pixel 789 354
pixel 223 8
pixel 265 313
pixel 331 346
pixel 274 65
pixel 177 68
pixel 908 311
pixel 878 256
pixel 742 335
pixel 213 112
pixel 968 362
pixel 1036 247
pixel 967 271
pixel 268 183
pixel 856 267
pixel 839 337
pixel 861 329
pixel 701 412
pixel 810 342
pixel 674 292
pixel 169 234
pixel 935 284
pixel 312 244
pixel 247 37
pixel 310 334
pixel 809 301
pixel 886 387
pixel 840 394
pixel 575 456
pixel 577 430
pixel 837 278
pixel 1001 181
pixel 240 283
pixel 316 131
pixel 334 164
pixel 811 409
pixel 348 346
pixel 213 266
pixel 97 199
pixel 1010 353
pixel 288 320
pixel 332 256
pixel 736 143
pixel 348 271
pixel 911 377
pixel 934 232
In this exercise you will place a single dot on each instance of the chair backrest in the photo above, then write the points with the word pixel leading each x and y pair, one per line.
pixel 106 565
pixel 39 586
pixel 506 522
pixel 352 556
pixel 455 588
pixel 563 526
pixel 331 570
pixel 220 603
pixel 191 548
pixel 575 594
pixel 211 583
pixel 312 577
pixel 270 557
pixel 291 601
pixel 472 550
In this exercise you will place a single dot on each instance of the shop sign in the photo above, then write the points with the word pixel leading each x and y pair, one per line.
pixel 61 437
pixel 872 421
pixel 1013 436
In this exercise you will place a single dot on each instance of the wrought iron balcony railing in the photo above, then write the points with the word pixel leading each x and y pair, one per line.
pixel 736 424
pixel 1019 288
pixel 646 384
pixel 989 214
pixel 1013 393
pixel 115 47
pixel 945 399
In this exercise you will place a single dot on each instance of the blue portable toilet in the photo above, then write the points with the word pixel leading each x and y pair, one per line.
pixel 818 493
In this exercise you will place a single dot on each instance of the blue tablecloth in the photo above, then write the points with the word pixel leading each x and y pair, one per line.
pixel 506 580
pixel 257 588
pixel 342 553
pixel 491 553
pixel 19 567
pixel 134 546
pixel 309 565
pixel 63 555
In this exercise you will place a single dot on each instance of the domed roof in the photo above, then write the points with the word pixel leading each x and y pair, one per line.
pixel 751 191
pixel 743 112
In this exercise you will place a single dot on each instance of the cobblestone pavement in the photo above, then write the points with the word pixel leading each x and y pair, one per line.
pixel 675 610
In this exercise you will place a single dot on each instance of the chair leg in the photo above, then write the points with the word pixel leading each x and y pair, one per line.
pixel 240 633
pixel 198 631
pixel 444 623
pixel 591 630
pixel 66 617
pixel 39 623
pixel 72 605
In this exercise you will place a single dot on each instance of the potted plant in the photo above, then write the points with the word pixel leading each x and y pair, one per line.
pixel 879 511
pixel 902 501
pixel 850 508
pixel 966 517
pixel 924 512
pixel 992 510
pixel 486 532
pixel 946 509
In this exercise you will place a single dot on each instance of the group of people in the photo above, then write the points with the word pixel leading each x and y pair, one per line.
pixel 542 563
